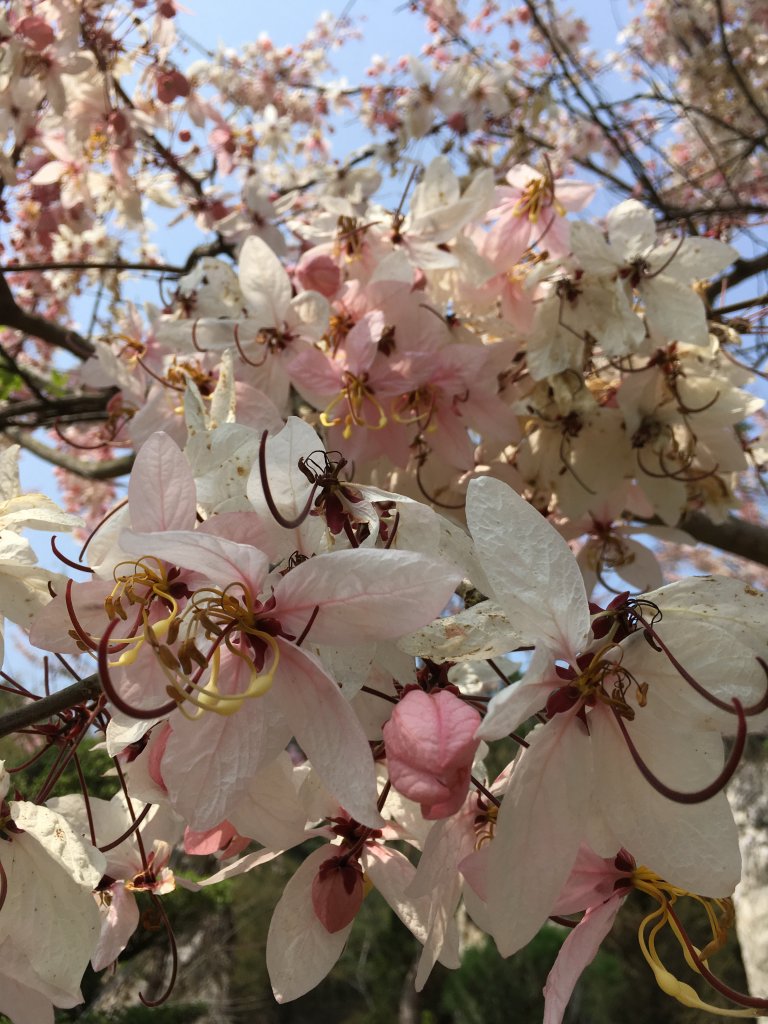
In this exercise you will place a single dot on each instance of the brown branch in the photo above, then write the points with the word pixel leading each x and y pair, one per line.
pixel 45 707
pixel 93 469
pixel 736 536
pixel 68 408
pixel 734 307
pixel 216 248
pixel 117 265
pixel 12 315
pixel 733 67
pixel 742 271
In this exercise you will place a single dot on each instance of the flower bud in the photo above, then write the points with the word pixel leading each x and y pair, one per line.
pixel 430 741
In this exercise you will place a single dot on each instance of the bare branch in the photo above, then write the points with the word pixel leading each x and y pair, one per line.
pixel 106 469
pixel 742 271
pixel 115 265
pixel 45 707
pixel 69 408
pixel 736 536
pixel 12 315
pixel 749 96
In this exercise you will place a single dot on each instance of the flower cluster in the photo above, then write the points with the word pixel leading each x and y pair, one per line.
pixel 363 434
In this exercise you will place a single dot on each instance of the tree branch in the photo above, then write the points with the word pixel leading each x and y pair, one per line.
pixel 45 707
pixel 116 265
pixel 12 315
pixel 106 469
pixel 737 536
pixel 742 271
pixel 68 408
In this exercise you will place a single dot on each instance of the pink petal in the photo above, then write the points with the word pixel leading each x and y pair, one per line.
pixel 161 491
pixel 328 731
pixel 577 953
pixel 364 595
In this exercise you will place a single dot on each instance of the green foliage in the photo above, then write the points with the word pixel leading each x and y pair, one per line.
pixel 182 1013
pixel 95 763
pixel 9 382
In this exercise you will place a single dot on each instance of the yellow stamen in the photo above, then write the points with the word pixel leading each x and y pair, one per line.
pixel 719 913
pixel 210 698
pixel 358 395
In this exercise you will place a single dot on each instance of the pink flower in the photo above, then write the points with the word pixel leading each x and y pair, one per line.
pixel 531 210
pixel 600 886
pixel 430 747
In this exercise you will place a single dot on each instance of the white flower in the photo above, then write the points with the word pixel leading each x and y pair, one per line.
pixel 660 274
pixel 605 693
pixel 23 585
pixel 49 922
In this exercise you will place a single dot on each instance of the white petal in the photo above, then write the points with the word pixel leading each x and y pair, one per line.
pixel 538 830
pixel 300 951
pixel 514 704
pixel 482 631
pixel 364 595
pixel 694 846
pixel 328 731
pixel 533 573
pixel 264 283
pixel 631 228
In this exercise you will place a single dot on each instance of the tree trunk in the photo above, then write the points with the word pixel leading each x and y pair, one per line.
pixel 748 796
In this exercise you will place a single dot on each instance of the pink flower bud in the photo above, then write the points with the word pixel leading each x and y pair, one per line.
pixel 36 31
pixel 171 85
pixel 337 892
pixel 430 741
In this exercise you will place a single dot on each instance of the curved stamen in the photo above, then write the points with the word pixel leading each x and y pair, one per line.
pixel 82 636
pixel 430 497
pixel 79 445
pixel 86 798
pixel 241 353
pixel 350 533
pixel 35 757
pixel 486 792
pixel 145 864
pixel 68 561
pixel 174 956
pixel 194 337
pixel 308 626
pixel 161 380
pixel 687 410
pixel 720 986
pixel 287 524
pixel 129 831
pixel 92 534
pixel 112 694
pixel 750 711
pixel 564 921
pixel 3 885
pixel 392 532
pixel 208 697
pixel 378 693
pixel 698 796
